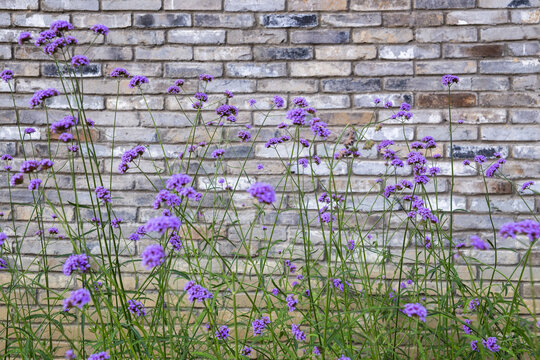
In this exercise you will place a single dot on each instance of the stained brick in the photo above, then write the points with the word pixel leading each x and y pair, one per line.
pixel 408 52
pixel 378 68
pixel 351 85
pixel 110 53
pixel 376 5
pixel 297 86
pixel 256 36
pixel 254 5
pixel 477 17
pixel 509 100
pixel 351 20
pixel 288 20
pixel 184 36
pixel 130 37
pixel 527 16
pixel 283 53
pixel 320 37
pixel 470 151
pixel 192 69
pixel 529 82
pixel 382 35
pixel 5 19
pixel 316 5
pixel 224 20
pixel 444 4
pixel 476 50
pixel 366 101
pixel 478 116
pixel 345 52
pixel 192 4
pixel 521 66
pixel 321 69
pixel 256 70
pixel 162 20
pixel 524 48
pixel 91 70
pixel 507 3
pixel 438 101
pixel 412 83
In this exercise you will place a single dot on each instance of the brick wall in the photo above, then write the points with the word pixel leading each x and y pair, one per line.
pixel 340 54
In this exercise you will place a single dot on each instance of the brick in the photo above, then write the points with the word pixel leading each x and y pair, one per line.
pixel 256 36
pixel 168 52
pixel 192 69
pixel 441 133
pixel 478 116
pixel 382 35
pixel 529 82
pixel 65 5
pixel 130 4
pixel 162 20
pixel 256 70
pixel 470 151
pixel 408 52
pixel 352 20
pixel 192 4
pixel 283 53
pixel 523 116
pixel 478 17
pixel 37 20
pixel 511 133
pixel 113 21
pixel 448 34
pixel 325 101
pixel 92 70
pixel 351 85
pixel 5 52
pixel 320 37
pixel 137 68
pixel 323 68
pixel 444 4
pixel 366 101
pixel 375 5
pixel 500 33
pixel 19 5
pixel 414 19
pixel 471 186
pixel 5 19
pixel 301 86
pixel 345 52
pixel 438 101
pixel 507 3
pixel 526 152
pixel 476 50
pixel 224 20
pixel 521 66
pixel 512 99
pixel 316 5
pixel 528 16
pixel 413 83
pixel 420 117
pixel 379 68
pixel 130 37
pixel 288 20
pixel 446 67
pixel 524 49
pixel 234 85
pixel 222 53
pixel 184 36
pixel 9 36
pixel 254 5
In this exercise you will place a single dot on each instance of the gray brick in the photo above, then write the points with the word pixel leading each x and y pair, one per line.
pixel 470 151
pixel 64 5
pixel 320 37
pixel 446 67
pixel 524 116
pixel 511 133
pixel 5 52
pixel 500 33
pixel 376 5
pixel 222 53
pixel 297 86
pixel 256 36
pixel 351 85
pixel 449 34
pixel 441 133
pixel 409 52
pixel 526 16
pixel 113 21
pixel 508 3
pixel 141 37
pixel 192 4
pixel 529 82
pixel 9 35
pixel 320 68
pixel 317 5
pixel 413 83
pixel 168 52
pixel 110 53
pixel 473 50
pixel 444 4
pixel 518 66
pixel 192 69
pixel 5 19
pixel 324 101
pixel 184 36
pixel 345 52
pixel 379 68
pixel 150 20
pixel 509 100
pixel 488 83
pixel 283 53
pixel 352 20
pixel 254 5
pixel 366 101
pixel 19 5
pixel 234 85
pixel 288 20
pixel 37 20
pixel 92 70
pixel 382 35
pixel 130 4
pixel 477 17
pixel 224 20
pixel 256 70
pixel 531 48
pixel 413 19
pixel 526 152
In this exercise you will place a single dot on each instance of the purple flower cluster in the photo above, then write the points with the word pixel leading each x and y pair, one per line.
pixel 448 80
pixel 319 128
pixel 403 112
pixel 466 329
pixel 299 335
pixel 167 197
pixel 64 125
pixel 136 236
pixel 247 350
pixel 70 354
pixel 222 333
pixel 6 75
pixel 162 223
pixel 100 356
pixel 530 228
pixel 227 111
pixel 263 192
pixel 100 29
pixel 297 116
pixel 291 302
pixel 129 156
pixel 490 171
pixel 197 292
pixel 120 73
pixel 3 237
pixel 244 135
pixel 279 102
pixel 259 325
pixel 76 262
pixel 175 241
pixel 415 310
pixel 103 194
pixel 526 185
pixel 218 153
pixel 41 95
pixel 136 308
pixel 24 37
pixel 77 298
pixel 79 60
pixel 137 81
pixel 473 304
pixel 491 344
pixel 152 256
pixel 478 243
pixel 177 182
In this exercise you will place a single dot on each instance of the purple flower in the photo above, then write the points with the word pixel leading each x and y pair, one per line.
pixel 275 292
pixel 252 102
pixel 433 171
pixel 338 284
pixel 474 345
pixel 3 264
pixel 388 104
pixel 34 184
pixel 291 302
pixel 466 329
pixel 6 75
pixel 3 237
pixel 377 101
pixel 77 298
pixel 480 159
pixel 63 125
pixel 61 25
pixel 173 90
pixel 297 115
pixel 152 256
pixel 263 192
pixel 177 182
pixel 137 80
pixel 229 94
pixel 120 73
pixel 79 60
pixel 115 223
pixel 197 292
pixel 29 130
pixel 473 304
pixel 206 77
pixel 222 333
pixel 65 137
pixel 45 164
pixel 162 223
pixel 29 165
pixel 73 148
pixel 343 357
pixel 298 334
pixel 247 350
pixel 100 356
pixel 100 29
pixel 218 153
pixel 479 243
pixel 259 325
pixel 530 228
pixel 24 37
pixel 136 308
pixel 526 185
pixel 70 354
pixel 76 262
pixel 466 162
pixel 226 110
pixel 490 171
pixel 300 102
pixel 103 194
pixel 448 80
pixel 201 96
pixel 279 102
pixel 491 344
pixel 415 310
pixel 41 95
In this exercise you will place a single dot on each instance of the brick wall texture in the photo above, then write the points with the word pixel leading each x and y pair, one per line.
pixel 339 54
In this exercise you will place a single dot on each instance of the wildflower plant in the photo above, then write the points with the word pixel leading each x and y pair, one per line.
pixel 205 270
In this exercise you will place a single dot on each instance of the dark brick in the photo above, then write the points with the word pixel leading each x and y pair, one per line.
pixel 162 20
pixel 320 37
pixel 454 51
pixel 507 100
pixel 414 19
pixel 470 151
pixel 351 85
pixel 444 4
pixel 441 100
pixel 283 53
pixel 289 20
pixel 518 3
pixel 91 70
pixel 224 20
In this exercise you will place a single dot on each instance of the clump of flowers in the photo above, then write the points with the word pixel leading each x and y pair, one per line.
pixel 263 192
pixel 77 298
pixel 415 310
pixel 152 256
